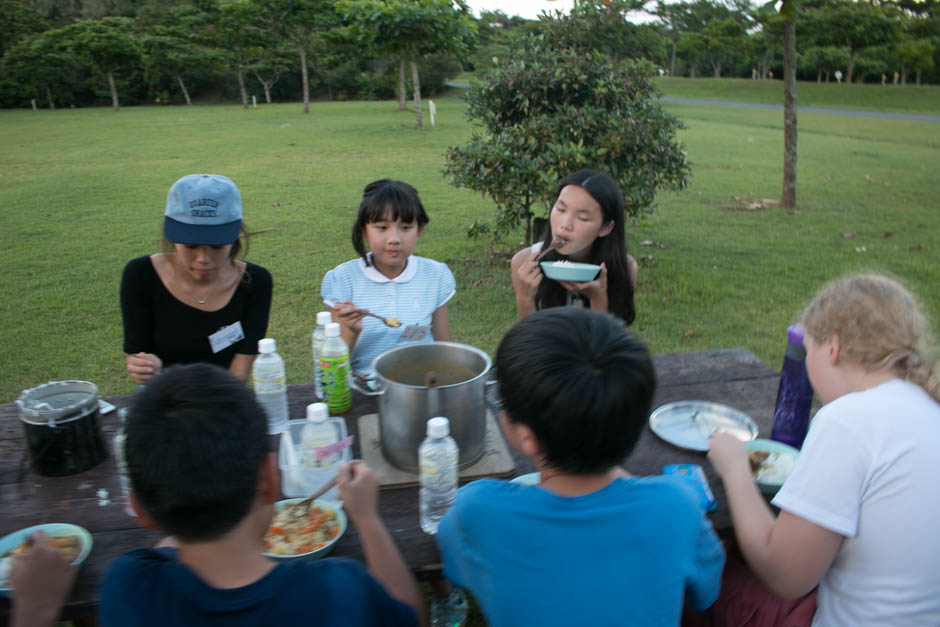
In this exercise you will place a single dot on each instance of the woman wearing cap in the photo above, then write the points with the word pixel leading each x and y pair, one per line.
pixel 195 302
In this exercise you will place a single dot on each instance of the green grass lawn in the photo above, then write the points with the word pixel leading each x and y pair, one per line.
pixel 82 192
pixel 908 98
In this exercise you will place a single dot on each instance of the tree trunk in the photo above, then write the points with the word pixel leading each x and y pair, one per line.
pixel 114 98
pixel 401 85
pixel 692 69
pixel 848 78
pixel 416 84
pixel 788 197
pixel 267 92
pixel 241 86
pixel 827 77
pixel 918 78
pixel 717 67
pixel 904 72
pixel 672 61
pixel 52 102
pixel 179 79
pixel 306 78
pixel 819 76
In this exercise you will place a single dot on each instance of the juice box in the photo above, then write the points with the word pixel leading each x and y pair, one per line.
pixel 694 476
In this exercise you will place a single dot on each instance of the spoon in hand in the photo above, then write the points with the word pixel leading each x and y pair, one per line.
pixel 557 242
pixel 391 322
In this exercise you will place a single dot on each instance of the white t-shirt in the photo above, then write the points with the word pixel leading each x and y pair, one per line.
pixel 868 471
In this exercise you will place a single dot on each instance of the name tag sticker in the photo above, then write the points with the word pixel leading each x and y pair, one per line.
pixel 226 336
pixel 415 332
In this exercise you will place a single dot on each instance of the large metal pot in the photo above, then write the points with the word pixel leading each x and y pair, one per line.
pixel 60 424
pixel 406 401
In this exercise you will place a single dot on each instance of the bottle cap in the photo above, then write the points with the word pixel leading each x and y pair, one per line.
pixel 438 427
pixel 332 329
pixel 796 333
pixel 324 318
pixel 267 345
pixel 317 412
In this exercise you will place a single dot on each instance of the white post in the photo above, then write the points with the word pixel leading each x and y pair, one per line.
pixel 433 111
pixel 254 102
pixel 33 102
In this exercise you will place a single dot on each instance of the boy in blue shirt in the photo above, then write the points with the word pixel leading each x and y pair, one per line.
pixel 197 452
pixel 590 544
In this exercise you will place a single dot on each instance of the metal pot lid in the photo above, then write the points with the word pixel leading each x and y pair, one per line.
pixel 690 424
pixel 52 401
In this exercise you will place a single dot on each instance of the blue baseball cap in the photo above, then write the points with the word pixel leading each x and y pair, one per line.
pixel 203 209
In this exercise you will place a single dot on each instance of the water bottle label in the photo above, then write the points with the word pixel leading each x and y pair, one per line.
pixel 322 452
pixel 269 386
pixel 438 476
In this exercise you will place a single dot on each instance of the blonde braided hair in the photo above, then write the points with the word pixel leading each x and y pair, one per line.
pixel 879 325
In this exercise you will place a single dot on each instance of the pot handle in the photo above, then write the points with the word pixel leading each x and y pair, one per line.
pixel 492 394
pixel 359 381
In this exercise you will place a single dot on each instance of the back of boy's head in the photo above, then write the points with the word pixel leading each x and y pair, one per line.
pixel 879 325
pixel 196 438
pixel 581 381
pixel 386 199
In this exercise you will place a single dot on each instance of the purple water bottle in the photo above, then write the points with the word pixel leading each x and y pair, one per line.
pixel 795 393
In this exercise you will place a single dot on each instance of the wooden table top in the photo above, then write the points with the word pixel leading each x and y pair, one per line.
pixel 733 377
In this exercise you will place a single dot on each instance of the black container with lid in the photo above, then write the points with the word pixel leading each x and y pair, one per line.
pixel 60 424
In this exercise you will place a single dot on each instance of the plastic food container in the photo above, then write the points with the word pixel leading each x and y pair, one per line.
pixel 297 480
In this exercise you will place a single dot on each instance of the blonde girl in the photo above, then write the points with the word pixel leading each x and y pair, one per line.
pixel 859 512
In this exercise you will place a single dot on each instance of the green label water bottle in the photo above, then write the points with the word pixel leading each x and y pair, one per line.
pixel 334 366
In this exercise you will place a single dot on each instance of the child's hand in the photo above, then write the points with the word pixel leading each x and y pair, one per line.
pixel 359 489
pixel 350 316
pixel 727 454
pixel 41 579
pixel 595 291
pixel 526 274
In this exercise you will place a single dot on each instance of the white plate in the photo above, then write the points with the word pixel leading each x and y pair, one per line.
pixel 11 541
pixel 674 423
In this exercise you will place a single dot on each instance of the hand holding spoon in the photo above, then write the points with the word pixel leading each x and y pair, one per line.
pixel 391 322
pixel 557 242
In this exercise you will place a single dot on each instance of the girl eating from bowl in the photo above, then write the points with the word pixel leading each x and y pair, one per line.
pixel 857 514
pixel 196 302
pixel 587 224
pixel 388 280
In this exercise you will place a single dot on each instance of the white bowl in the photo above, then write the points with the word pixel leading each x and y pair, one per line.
pixel 786 455
pixel 326 548
pixel 53 530
pixel 570 271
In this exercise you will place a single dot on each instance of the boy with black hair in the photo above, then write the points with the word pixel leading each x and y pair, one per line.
pixel 590 544
pixel 197 452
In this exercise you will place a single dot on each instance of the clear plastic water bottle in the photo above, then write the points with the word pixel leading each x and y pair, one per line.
pixel 334 365
pixel 794 394
pixel 316 343
pixel 437 459
pixel 270 383
pixel 317 433
pixel 124 477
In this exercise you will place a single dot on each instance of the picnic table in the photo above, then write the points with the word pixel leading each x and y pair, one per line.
pixel 734 377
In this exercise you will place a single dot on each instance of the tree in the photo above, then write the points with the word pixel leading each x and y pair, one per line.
pixel 548 111
pixel 718 40
pixel 38 68
pixel 18 22
pixel 788 196
pixel 106 45
pixel 824 60
pixel 672 17
pixel 237 29
pixel 300 22
pixel 273 62
pixel 858 25
pixel 407 30
pixel 916 55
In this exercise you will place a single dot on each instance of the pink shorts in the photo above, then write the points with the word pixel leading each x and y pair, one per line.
pixel 745 601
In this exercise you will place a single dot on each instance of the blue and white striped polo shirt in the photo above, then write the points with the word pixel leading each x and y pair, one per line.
pixel 412 297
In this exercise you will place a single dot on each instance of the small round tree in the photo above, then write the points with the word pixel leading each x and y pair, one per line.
pixel 552 108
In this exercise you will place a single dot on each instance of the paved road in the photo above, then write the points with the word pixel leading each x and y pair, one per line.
pixel 913 117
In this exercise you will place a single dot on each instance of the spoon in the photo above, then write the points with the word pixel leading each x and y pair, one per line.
pixel 557 242
pixel 391 322
pixel 300 508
